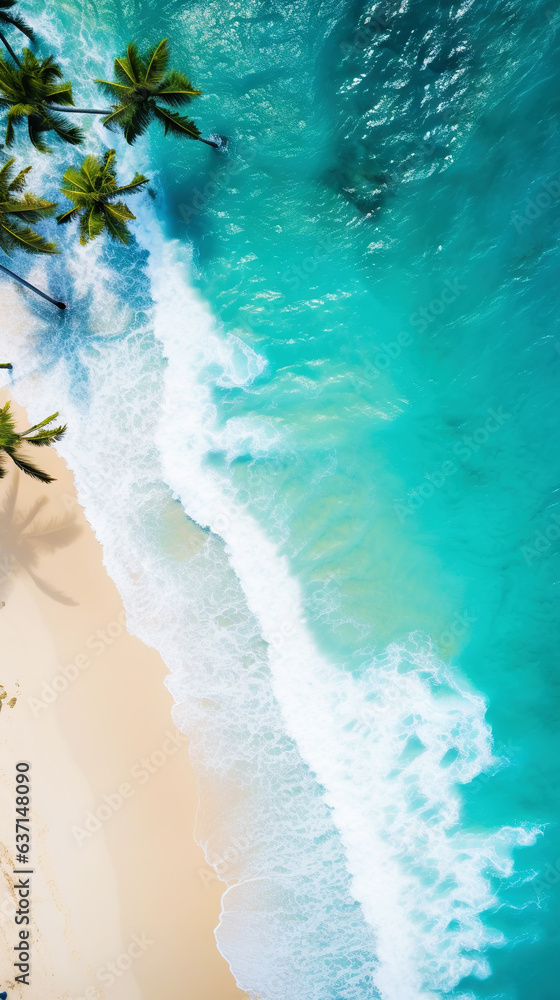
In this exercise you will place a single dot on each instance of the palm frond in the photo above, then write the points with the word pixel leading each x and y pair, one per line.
pixel 5 171
pixel 11 443
pixel 7 425
pixel 113 89
pixel 124 71
pixel 116 120
pixel 119 212
pixel 116 228
pixel 8 74
pixel 75 181
pixel 176 124
pixel 71 134
pixel 19 181
pixel 35 133
pixel 68 216
pixel 90 168
pixel 109 178
pixel 92 224
pixel 137 181
pixel 44 438
pixel 61 94
pixel 24 238
pixel 47 70
pixel 132 119
pixel 157 62
pixel 17 21
pixel 31 470
pixel 31 208
pixel 15 114
pixel 55 432
pixel 176 89
pixel 135 62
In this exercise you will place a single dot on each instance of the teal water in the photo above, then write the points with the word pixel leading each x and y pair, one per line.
pixel 352 362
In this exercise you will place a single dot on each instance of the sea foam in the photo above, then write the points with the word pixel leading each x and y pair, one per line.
pixel 340 829
pixel 389 748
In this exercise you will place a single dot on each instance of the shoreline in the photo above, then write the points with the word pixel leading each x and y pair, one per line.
pixel 124 904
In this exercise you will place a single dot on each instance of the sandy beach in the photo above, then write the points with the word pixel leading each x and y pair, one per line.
pixel 123 904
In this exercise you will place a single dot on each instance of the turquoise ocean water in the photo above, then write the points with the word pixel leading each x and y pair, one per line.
pixel 314 422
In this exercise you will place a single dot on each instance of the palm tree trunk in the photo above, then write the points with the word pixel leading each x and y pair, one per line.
pixel 22 281
pixel 10 49
pixel 79 111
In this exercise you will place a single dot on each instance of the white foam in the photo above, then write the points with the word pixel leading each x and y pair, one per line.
pixel 382 745
pixel 377 744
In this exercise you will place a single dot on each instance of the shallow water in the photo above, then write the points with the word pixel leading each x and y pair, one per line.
pixel 313 423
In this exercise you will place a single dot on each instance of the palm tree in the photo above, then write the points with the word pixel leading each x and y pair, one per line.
pixel 18 215
pixel 36 91
pixel 11 442
pixel 142 85
pixel 93 189
pixel 15 21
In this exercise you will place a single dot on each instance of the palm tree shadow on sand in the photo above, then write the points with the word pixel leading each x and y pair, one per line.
pixel 25 537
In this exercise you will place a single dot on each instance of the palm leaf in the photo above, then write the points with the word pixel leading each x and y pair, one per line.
pixel 75 180
pixel 124 72
pixel 61 95
pixel 67 216
pixel 176 124
pixel 45 438
pixel 116 118
pixel 117 230
pixel 92 224
pixel 25 238
pixel 71 134
pixel 112 89
pixel 6 169
pixel 176 89
pixel 33 209
pixel 19 181
pixel 31 470
pixel 16 112
pixel 137 181
pixel 135 63
pixel 158 58
pixel 109 176
pixel 90 168
pixel 55 432
pixel 35 135
pixel 18 22
pixel 48 69
pixel 133 119
pixel 119 212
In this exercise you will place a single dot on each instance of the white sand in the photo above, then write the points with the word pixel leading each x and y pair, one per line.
pixel 139 877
